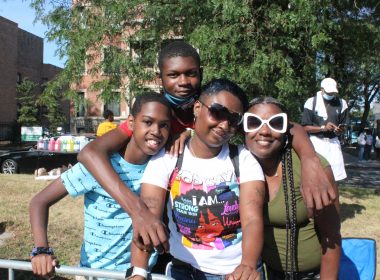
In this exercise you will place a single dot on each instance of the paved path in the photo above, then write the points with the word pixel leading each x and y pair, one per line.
pixel 364 174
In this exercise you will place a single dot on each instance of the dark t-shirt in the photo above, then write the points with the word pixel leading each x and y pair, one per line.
pixel 336 110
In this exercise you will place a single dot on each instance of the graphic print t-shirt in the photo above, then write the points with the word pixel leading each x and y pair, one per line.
pixel 107 227
pixel 203 208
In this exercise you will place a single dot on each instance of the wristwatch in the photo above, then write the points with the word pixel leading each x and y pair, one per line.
pixel 133 270
pixel 323 127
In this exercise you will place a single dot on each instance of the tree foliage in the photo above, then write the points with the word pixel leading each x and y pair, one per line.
pixel 27 111
pixel 277 48
pixel 51 100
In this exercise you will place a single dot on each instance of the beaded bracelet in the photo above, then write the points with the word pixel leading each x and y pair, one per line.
pixel 41 250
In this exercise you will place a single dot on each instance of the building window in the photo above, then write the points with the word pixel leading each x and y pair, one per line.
pixel 81 108
pixel 139 50
pixel 111 61
pixel 82 68
pixel 19 78
pixel 80 13
pixel 114 104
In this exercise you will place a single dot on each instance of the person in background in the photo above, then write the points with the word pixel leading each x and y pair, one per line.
pixel 107 125
pixel 107 228
pixel 377 147
pixel 362 140
pixel 324 118
pixel 368 145
pixel 298 243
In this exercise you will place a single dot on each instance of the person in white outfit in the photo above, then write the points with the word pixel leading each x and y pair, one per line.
pixel 324 118
pixel 368 145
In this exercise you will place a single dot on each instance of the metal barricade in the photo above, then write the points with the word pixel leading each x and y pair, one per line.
pixel 91 273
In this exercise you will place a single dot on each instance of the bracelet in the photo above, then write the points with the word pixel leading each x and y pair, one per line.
pixel 133 271
pixel 41 250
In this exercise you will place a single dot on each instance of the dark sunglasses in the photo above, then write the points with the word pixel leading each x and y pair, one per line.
pixel 220 113
pixel 277 123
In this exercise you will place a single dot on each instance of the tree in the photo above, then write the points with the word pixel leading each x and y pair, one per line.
pixel 277 48
pixel 28 111
pixel 351 56
pixel 51 99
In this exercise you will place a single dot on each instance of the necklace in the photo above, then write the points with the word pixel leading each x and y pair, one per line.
pixel 191 149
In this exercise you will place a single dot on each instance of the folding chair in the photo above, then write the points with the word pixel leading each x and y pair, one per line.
pixel 358 259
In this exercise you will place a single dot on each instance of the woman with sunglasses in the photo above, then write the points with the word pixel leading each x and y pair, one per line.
pixel 297 244
pixel 205 195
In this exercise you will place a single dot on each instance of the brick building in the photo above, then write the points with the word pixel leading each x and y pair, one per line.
pixel 21 56
pixel 87 117
pixel 91 108
pixel 90 113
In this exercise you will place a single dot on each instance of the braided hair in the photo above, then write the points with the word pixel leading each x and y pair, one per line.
pixel 291 267
pixel 291 213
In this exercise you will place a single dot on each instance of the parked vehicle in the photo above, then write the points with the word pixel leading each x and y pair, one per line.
pixel 28 161
pixel 354 138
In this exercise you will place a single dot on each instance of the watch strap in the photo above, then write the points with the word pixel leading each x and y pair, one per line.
pixel 134 270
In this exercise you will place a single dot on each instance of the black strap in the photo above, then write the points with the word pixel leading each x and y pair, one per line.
pixel 234 156
pixel 179 161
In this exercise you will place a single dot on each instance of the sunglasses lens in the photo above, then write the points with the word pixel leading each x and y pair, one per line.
pixel 218 112
pixel 277 123
pixel 253 123
pixel 221 113
pixel 234 119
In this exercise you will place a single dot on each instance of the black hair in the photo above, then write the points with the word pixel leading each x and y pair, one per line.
pixel 107 113
pixel 147 97
pixel 291 212
pixel 289 194
pixel 267 100
pixel 175 49
pixel 217 85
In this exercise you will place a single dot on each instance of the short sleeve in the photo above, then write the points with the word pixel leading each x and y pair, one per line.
pixel 78 180
pixel 159 169
pixel 250 169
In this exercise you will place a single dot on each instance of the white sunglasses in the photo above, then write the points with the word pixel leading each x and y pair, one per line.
pixel 277 123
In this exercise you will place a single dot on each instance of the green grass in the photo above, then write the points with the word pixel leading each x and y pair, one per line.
pixel 360 210
pixel 65 223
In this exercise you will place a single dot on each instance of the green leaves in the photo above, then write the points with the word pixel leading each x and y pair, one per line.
pixel 275 48
pixel 27 111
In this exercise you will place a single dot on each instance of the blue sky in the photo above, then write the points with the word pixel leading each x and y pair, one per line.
pixel 21 13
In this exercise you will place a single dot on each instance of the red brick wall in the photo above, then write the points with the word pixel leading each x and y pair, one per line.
pixel 20 52
pixel 8 70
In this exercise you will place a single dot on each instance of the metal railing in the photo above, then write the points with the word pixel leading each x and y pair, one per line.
pixel 92 273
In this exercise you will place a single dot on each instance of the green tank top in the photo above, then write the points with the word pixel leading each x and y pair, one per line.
pixel 308 245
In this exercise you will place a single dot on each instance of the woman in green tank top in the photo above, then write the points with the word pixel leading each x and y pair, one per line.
pixel 298 243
